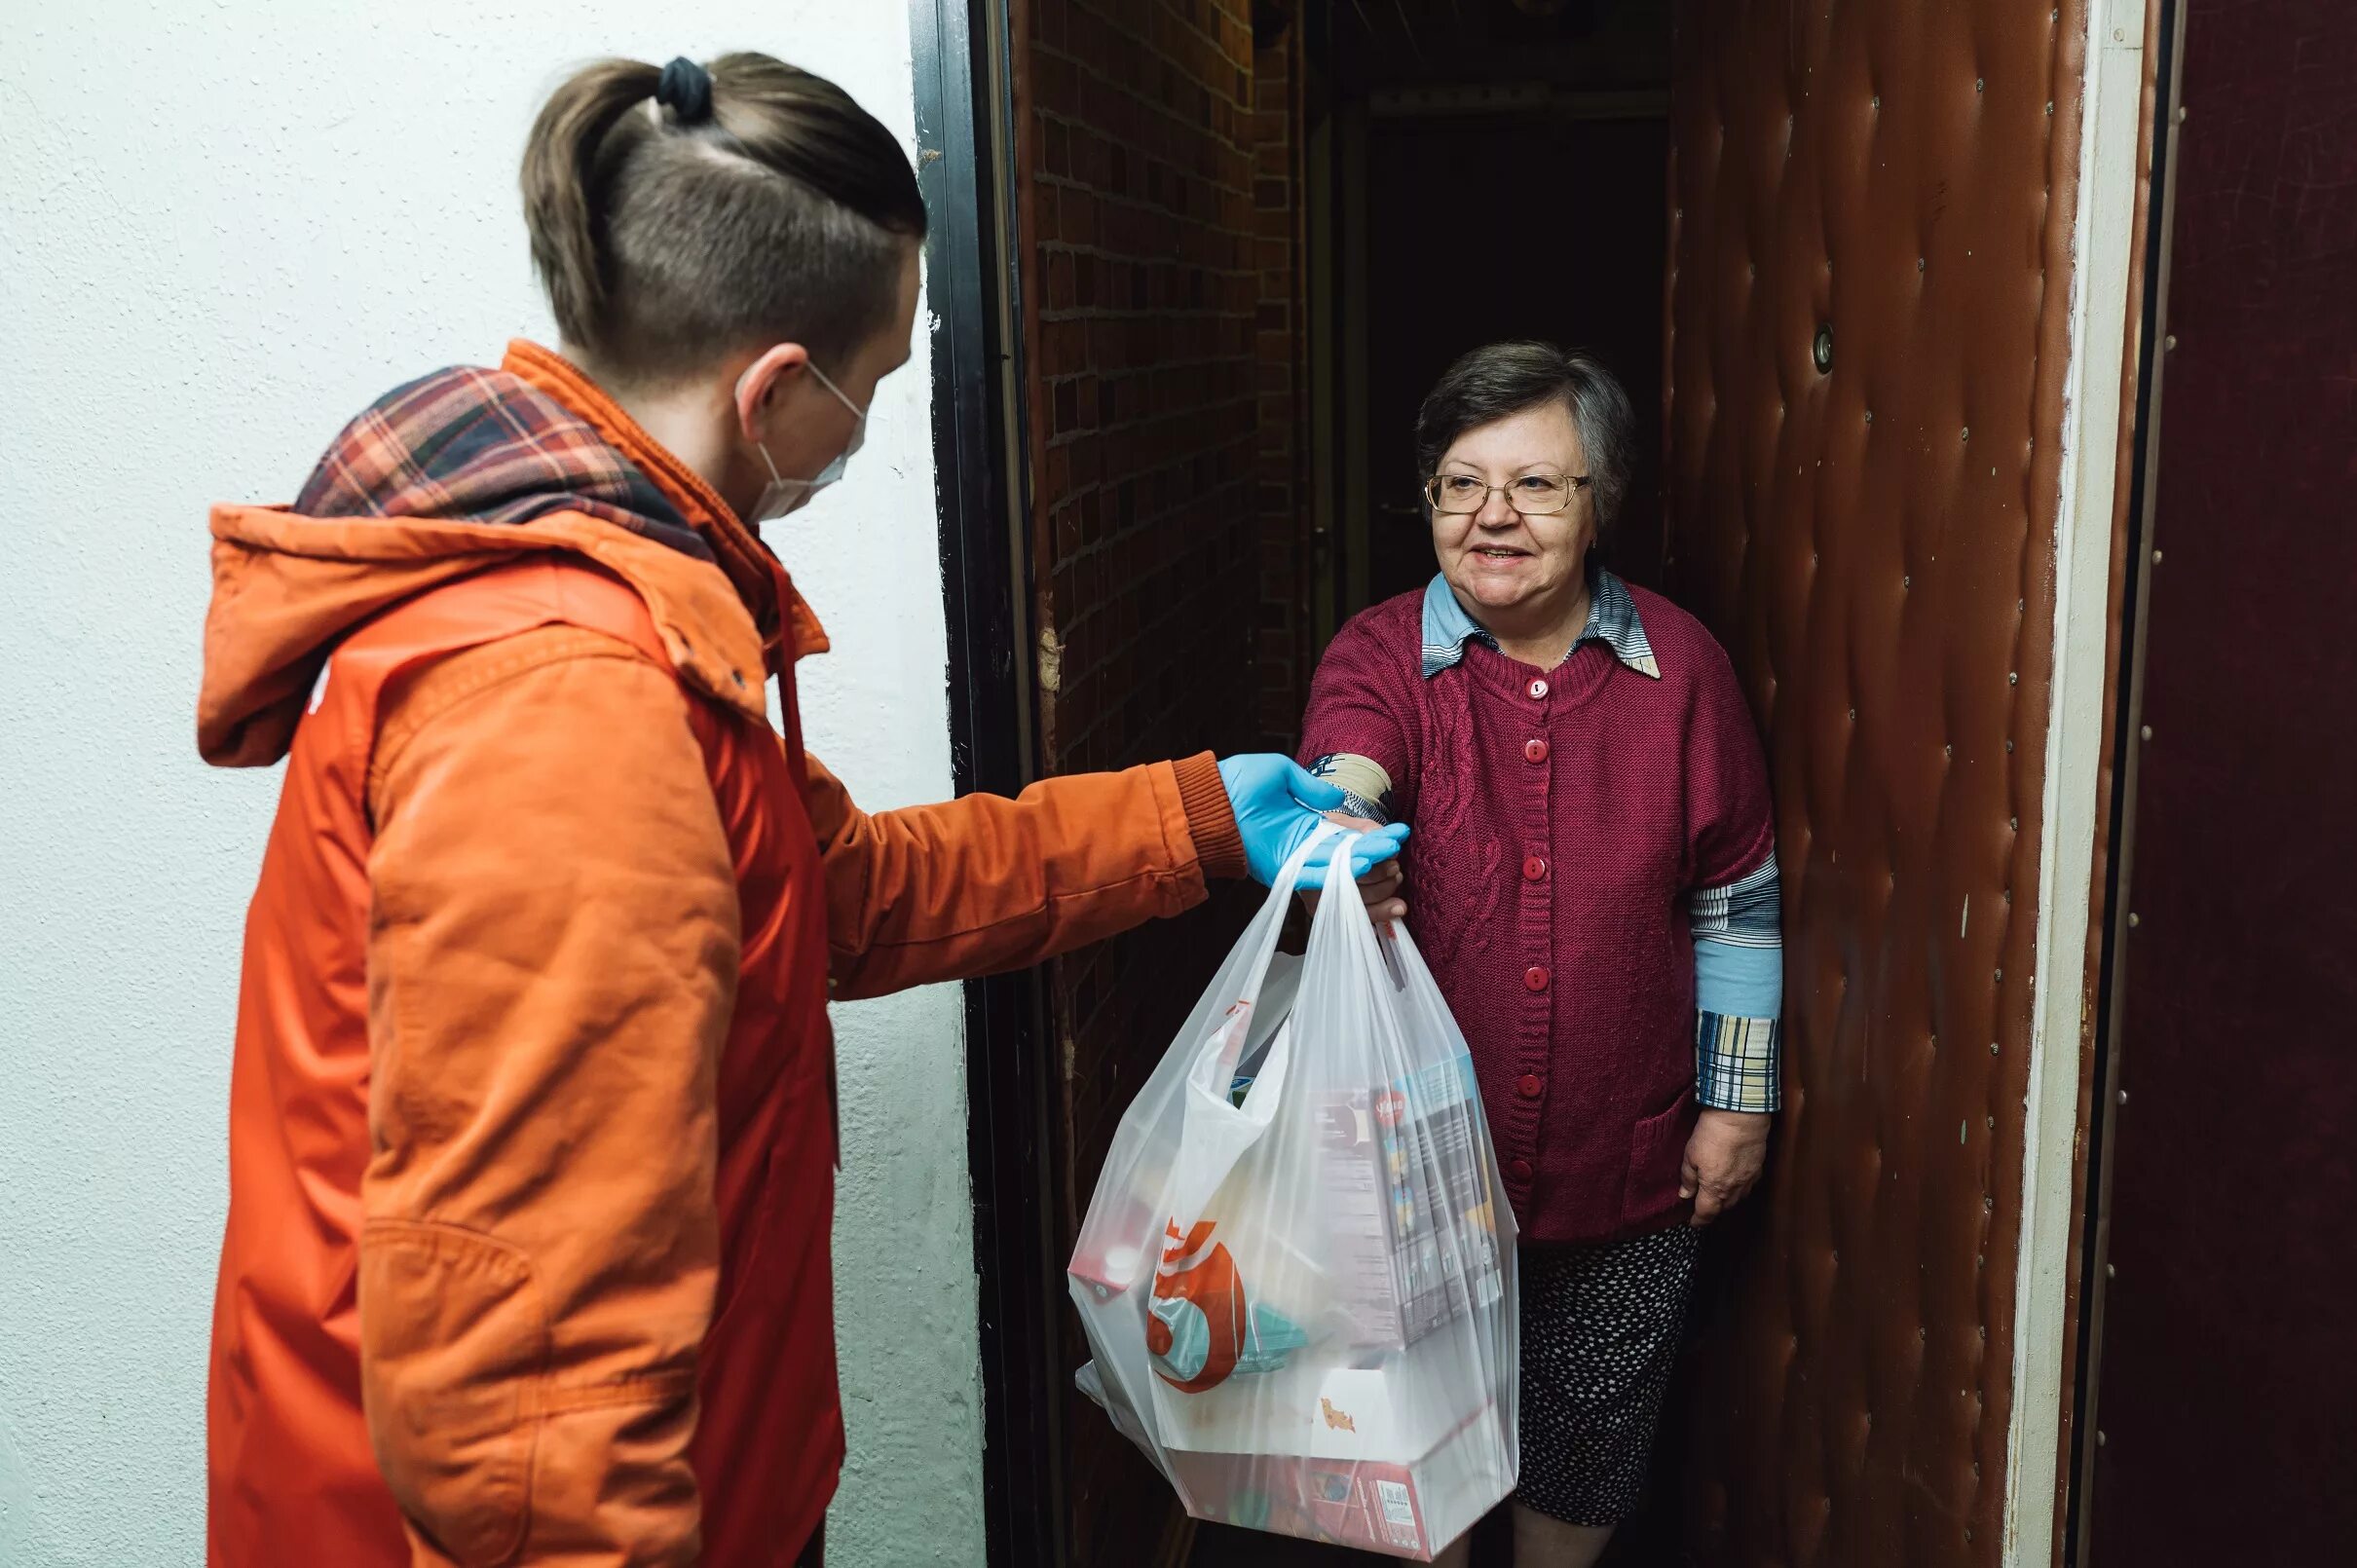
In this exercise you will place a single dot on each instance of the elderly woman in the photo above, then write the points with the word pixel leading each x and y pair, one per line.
pixel 1592 877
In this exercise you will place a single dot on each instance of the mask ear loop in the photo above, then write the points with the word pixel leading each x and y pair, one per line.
pixel 858 413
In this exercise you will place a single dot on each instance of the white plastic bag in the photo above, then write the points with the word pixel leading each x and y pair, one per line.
pixel 1297 1271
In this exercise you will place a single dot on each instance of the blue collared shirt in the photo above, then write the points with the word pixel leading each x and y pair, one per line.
pixel 1612 620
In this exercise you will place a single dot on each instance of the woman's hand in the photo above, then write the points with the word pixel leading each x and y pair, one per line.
pixel 1379 887
pixel 1723 1161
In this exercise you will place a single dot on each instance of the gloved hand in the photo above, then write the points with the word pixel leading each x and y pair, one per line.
pixel 1278 804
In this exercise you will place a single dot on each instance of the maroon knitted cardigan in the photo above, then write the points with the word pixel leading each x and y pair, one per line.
pixel 1561 818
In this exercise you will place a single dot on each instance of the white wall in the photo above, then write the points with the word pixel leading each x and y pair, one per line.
pixel 223 229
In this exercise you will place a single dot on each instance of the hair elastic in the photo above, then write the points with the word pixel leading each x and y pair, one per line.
pixel 685 89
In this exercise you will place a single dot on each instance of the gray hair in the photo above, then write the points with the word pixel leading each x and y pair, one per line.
pixel 1503 378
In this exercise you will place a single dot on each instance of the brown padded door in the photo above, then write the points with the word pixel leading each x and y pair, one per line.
pixel 1873 543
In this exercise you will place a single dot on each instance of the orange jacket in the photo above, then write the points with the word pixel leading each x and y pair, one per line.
pixel 531 1154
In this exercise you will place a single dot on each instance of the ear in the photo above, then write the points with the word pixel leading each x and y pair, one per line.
pixel 763 382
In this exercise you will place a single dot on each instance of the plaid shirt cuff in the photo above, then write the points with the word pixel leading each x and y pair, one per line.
pixel 1739 1063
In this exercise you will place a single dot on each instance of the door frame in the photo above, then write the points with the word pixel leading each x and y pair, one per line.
pixel 2077 1533
pixel 966 137
pixel 2109 286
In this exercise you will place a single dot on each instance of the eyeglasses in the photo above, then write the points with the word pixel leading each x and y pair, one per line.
pixel 1533 494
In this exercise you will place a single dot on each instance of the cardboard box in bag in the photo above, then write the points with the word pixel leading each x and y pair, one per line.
pixel 1381 1460
pixel 1396 1164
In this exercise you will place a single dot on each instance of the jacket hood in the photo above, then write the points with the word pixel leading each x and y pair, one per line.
pixel 459 471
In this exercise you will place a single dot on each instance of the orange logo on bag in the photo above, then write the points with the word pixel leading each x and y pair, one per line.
pixel 1197 1276
pixel 1334 1418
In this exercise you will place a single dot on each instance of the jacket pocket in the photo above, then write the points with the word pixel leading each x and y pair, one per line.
pixel 452 1347
pixel 1657 1151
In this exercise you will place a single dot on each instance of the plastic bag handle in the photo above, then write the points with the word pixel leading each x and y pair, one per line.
pixel 1375 947
pixel 1289 876
pixel 1287 884
pixel 1271 925
pixel 1271 922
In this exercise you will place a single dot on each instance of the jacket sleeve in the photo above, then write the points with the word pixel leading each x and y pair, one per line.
pixel 984 883
pixel 552 965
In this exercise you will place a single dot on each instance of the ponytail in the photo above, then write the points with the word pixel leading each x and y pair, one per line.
pixel 560 173
pixel 681 213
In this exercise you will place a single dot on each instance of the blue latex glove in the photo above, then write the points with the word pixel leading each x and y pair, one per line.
pixel 1278 806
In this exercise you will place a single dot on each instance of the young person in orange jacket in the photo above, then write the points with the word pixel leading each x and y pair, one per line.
pixel 532 1128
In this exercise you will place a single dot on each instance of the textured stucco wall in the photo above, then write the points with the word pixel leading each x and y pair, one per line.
pixel 223 228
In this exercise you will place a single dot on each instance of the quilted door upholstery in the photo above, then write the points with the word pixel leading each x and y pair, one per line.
pixel 1870 256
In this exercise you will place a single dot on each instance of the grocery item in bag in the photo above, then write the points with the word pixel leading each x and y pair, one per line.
pixel 1392 1232
pixel 1295 1276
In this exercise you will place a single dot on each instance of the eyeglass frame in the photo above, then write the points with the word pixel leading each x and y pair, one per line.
pixel 1573 483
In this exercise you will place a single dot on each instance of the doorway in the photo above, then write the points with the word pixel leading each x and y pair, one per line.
pixel 1817 221
pixel 1830 250
pixel 1483 172
pixel 1473 172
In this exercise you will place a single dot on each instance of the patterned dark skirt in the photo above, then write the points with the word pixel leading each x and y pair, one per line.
pixel 1600 1331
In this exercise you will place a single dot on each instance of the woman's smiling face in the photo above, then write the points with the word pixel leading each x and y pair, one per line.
pixel 1497 559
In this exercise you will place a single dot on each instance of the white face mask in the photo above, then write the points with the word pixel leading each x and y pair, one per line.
pixel 782 495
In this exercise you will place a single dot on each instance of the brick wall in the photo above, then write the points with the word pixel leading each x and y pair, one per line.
pixel 1280 216
pixel 1156 258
